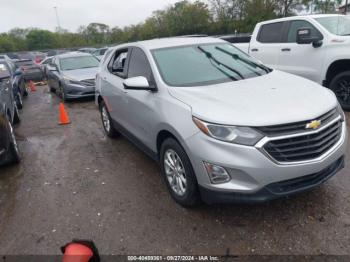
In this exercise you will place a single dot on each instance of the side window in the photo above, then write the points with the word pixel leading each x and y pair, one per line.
pixel 295 25
pixel 139 65
pixel 117 65
pixel 48 61
pixel 271 33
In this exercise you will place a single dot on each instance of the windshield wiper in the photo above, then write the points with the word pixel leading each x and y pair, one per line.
pixel 212 58
pixel 248 62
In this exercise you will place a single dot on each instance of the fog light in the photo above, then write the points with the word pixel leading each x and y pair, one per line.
pixel 217 174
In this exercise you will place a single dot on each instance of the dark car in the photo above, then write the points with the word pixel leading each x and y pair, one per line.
pixel 9 116
pixel 72 75
pixel 36 57
pixel 56 52
pixel 31 71
pixel 88 50
pixel 18 82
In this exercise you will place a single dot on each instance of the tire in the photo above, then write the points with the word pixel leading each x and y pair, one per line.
pixel 13 155
pixel 107 122
pixel 24 91
pixel 183 185
pixel 63 94
pixel 16 118
pixel 340 85
pixel 19 101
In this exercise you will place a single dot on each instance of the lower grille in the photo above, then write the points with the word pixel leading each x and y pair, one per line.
pixel 305 182
pixel 305 147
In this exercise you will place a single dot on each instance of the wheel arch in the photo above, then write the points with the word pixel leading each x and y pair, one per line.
pixel 335 68
pixel 162 136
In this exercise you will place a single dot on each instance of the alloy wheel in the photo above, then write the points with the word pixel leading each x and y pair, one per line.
pixel 175 172
pixel 105 119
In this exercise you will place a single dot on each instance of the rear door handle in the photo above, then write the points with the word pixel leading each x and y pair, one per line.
pixel 286 50
pixel 255 50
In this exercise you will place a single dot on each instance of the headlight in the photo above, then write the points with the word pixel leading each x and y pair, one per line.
pixel 341 112
pixel 233 134
pixel 71 81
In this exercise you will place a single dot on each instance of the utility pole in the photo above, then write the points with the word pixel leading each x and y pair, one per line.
pixel 346 7
pixel 58 20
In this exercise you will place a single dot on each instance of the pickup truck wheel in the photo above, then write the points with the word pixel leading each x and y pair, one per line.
pixel 340 85
pixel 178 174
pixel 107 122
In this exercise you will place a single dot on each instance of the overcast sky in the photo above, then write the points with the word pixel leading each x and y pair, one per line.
pixel 73 13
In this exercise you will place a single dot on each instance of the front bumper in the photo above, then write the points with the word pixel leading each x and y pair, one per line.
pixel 253 172
pixel 275 190
pixel 78 91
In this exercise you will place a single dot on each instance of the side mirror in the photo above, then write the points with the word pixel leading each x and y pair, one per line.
pixel 138 83
pixel 18 72
pixel 52 68
pixel 304 37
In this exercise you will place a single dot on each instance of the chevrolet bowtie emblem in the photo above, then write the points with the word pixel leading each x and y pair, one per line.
pixel 314 124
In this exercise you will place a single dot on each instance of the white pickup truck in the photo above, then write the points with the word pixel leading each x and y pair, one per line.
pixel 316 47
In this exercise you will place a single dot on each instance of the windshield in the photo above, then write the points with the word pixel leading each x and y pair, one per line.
pixel 338 25
pixel 201 65
pixel 79 62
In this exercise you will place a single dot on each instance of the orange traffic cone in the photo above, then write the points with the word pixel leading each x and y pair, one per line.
pixel 64 118
pixel 77 253
pixel 32 86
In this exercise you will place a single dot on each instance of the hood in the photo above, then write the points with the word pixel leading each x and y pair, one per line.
pixel 81 74
pixel 272 99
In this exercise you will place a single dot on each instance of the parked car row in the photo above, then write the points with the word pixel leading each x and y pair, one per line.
pixel 223 126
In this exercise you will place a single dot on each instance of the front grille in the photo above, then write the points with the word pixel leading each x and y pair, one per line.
pixel 88 82
pixel 298 127
pixel 305 182
pixel 305 147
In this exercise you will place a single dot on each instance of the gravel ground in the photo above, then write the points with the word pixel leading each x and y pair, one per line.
pixel 74 182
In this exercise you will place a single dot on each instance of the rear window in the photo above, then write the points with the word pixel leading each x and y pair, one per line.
pixel 271 33
pixel 24 63
pixel 26 56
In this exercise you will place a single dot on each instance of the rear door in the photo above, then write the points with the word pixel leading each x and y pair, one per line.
pixel 6 96
pixel 266 43
pixel 302 60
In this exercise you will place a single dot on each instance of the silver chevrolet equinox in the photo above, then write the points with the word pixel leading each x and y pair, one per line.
pixel 224 127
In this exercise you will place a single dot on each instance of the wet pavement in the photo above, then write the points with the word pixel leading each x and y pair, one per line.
pixel 74 182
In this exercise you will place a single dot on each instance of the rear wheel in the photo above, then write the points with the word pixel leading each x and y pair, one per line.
pixel 178 174
pixel 16 118
pixel 107 121
pixel 19 100
pixel 340 85
pixel 13 155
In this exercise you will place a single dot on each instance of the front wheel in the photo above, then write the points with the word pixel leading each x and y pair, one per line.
pixel 178 174
pixel 340 85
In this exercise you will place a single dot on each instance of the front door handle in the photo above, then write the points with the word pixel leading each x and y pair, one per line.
pixel 255 50
pixel 286 50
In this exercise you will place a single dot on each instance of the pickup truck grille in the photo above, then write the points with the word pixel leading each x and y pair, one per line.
pixel 305 147
pixel 298 127
pixel 88 82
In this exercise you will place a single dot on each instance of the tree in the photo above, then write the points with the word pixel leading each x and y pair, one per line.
pixel 326 6
pixel 38 39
